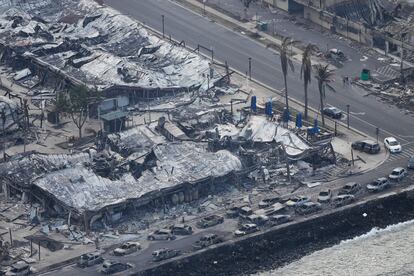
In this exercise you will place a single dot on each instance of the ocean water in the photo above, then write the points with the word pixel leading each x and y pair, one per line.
pixel 385 252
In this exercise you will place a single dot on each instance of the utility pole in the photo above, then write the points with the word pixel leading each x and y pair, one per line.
pixel 347 115
pixel 163 25
pixel 377 131
pixel 3 119
pixel 352 156
pixel 250 68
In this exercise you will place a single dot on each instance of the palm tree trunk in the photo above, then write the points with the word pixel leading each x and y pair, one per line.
pixel 286 93
pixel 306 101
pixel 321 94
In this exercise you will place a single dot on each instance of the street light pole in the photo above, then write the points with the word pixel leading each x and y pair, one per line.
pixel 250 68
pixel 163 25
pixel 347 117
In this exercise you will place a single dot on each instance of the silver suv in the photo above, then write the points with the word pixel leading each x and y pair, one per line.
pixel 397 174
pixel 378 185
pixel 90 259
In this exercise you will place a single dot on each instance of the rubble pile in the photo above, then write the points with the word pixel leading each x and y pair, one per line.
pixel 94 45
pixel 394 93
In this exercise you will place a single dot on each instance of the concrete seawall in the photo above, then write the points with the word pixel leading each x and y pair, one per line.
pixel 283 244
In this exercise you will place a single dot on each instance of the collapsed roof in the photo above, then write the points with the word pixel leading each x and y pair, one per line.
pixel 138 140
pixel 22 170
pixel 260 129
pixel 96 45
pixel 79 188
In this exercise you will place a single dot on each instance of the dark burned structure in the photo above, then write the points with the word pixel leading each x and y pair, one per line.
pixel 385 24
pixel 68 184
pixel 59 44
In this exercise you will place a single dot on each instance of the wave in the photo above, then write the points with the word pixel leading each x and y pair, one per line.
pixel 376 231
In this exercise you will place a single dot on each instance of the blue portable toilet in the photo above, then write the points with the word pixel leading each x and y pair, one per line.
pixel 268 109
pixel 315 126
pixel 286 115
pixel 299 120
pixel 253 104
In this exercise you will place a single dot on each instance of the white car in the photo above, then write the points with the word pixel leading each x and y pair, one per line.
pixel 397 174
pixel 324 196
pixel 127 248
pixel 392 145
pixel 246 229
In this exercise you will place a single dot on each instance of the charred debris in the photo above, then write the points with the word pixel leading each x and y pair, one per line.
pixel 174 131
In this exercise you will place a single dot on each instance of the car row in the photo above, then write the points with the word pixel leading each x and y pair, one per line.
pixel 109 266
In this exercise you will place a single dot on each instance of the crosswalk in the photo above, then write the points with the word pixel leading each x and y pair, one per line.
pixel 407 152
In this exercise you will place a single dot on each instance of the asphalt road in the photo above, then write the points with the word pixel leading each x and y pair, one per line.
pixel 141 259
pixel 182 24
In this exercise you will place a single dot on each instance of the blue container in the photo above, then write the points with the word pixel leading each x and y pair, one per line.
pixel 269 109
pixel 253 104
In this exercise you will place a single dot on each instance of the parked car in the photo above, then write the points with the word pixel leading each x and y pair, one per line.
pixel 397 174
pixel 410 164
pixel 296 200
pixel 324 196
pixel 378 185
pixel 127 248
pixel 181 229
pixel 342 200
pixel 209 221
pixel 246 229
pixel 308 208
pixel 350 188
pixel 336 54
pixel 164 253
pixel 258 219
pixel 392 145
pixel 332 112
pixel 19 269
pixel 268 201
pixel 367 146
pixel 207 240
pixel 110 267
pixel 279 219
pixel 162 234
pixel 90 259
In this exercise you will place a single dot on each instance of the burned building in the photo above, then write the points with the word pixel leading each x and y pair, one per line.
pixel 67 184
pixel 10 114
pixel 66 43
pixel 17 175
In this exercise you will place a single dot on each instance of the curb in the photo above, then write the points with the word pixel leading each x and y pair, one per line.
pixel 56 266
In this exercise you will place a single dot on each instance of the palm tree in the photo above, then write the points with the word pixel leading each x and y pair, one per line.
pixel 285 60
pixel 306 71
pixel 324 75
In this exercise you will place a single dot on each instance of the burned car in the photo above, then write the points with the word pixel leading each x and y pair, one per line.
pixel 209 221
